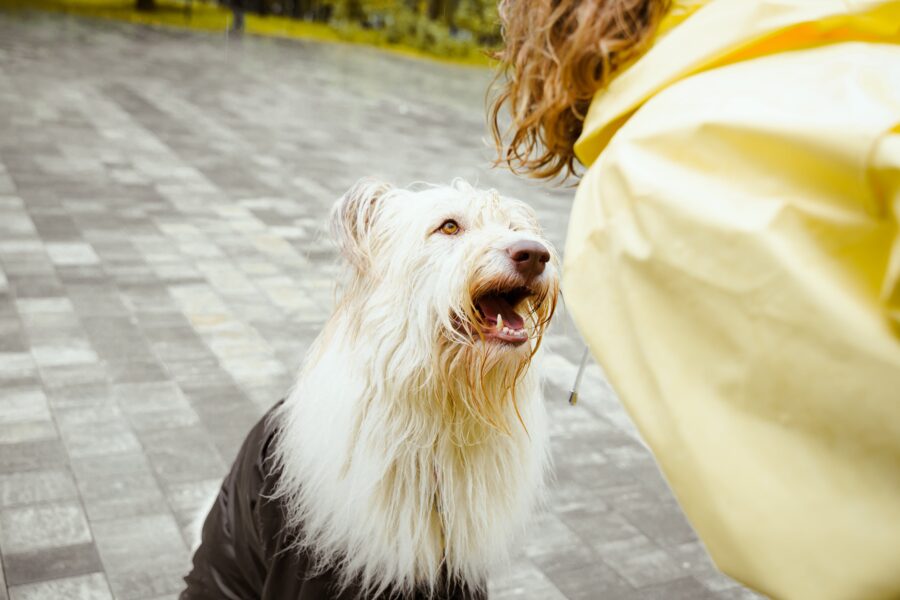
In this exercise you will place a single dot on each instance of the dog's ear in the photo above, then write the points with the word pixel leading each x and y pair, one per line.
pixel 352 217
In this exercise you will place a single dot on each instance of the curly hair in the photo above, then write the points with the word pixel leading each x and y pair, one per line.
pixel 556 55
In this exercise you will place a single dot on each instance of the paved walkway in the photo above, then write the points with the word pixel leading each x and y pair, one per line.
pixel 163 266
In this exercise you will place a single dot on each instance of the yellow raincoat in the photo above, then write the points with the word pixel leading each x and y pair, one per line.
pixel 733 261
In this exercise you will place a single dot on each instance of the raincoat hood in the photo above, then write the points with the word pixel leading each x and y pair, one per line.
pixel 698 35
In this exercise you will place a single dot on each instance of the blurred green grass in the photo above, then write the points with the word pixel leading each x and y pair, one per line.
pixel 418 37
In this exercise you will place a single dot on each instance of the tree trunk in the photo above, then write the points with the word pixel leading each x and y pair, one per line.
pixel 145 4
pixel 303 9
pixel 435 9
pixel 443 11
pixel 353 11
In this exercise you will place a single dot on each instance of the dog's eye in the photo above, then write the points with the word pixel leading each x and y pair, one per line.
pixel 449 227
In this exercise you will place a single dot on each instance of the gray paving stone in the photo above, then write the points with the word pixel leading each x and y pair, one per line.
pixel 137 371
pixel 182 454
pixel 116 338
pixel 12 339
pixel 71 253
pixel 175 343
pixel 28 281
pixel 69 353
pixel 654 523
pixel 30 528
pixel 155 405
pixel 694 559
pixel 97 437
pixel 190 500
pixel 587 580
pixel 555 540
pixel 681 589
pixel 17 368
pixel 206 371
pixel 90 394
pixel 143 556
pixel 640 561
pixel 52 304
pixel 523 580
pixel 27 431
pixel 31 487
pixel 738 593
pixel 31 454
pixel 63 377
pixel 83 587
pixel 116 485
pixel 600 527
pixel 19 405
pixel 51 563
pixel 96 299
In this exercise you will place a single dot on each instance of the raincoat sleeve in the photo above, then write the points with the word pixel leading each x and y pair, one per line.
pixel 733 262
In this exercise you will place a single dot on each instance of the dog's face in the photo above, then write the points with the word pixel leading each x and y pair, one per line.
pixel 450 265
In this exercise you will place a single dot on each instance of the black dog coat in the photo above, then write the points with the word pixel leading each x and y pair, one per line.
pixel 246 552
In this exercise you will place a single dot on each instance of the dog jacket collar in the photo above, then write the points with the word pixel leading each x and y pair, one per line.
pixel 246 552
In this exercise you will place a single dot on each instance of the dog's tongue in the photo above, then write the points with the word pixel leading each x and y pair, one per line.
pixel 491 306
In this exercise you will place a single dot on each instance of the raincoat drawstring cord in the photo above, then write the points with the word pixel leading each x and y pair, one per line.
pixel 573 395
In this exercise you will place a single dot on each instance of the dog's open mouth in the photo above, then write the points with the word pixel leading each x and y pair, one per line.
pixel 499 312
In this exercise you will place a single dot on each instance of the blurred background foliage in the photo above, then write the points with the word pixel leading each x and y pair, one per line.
pixel 458 30
pixel 451 28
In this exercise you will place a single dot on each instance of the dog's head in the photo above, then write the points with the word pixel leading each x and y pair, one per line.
pixel 451 272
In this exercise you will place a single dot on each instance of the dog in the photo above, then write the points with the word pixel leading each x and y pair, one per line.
pixel 413 447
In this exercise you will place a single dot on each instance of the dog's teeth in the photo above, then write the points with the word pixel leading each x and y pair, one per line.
pixel 500 322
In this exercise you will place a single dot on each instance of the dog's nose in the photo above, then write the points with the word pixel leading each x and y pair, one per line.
pixel 528 257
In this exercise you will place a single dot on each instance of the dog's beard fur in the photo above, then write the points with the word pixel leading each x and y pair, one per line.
pixel 410 452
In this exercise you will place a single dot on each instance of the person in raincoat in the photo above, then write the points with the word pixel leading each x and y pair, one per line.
pixel 733 258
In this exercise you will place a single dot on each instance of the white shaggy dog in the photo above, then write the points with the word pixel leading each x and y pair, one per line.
pixel 413 446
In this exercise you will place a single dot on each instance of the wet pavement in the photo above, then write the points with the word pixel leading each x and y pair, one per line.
pixel 164 265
